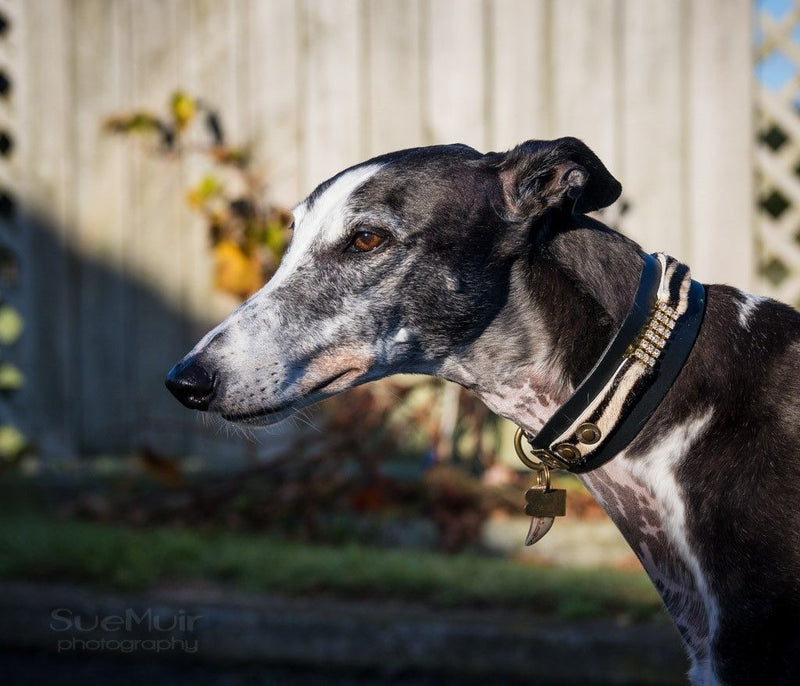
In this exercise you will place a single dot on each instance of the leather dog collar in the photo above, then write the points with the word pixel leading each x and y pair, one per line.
pixel 632 376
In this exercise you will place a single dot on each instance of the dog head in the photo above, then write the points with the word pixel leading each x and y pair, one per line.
pixel 398 264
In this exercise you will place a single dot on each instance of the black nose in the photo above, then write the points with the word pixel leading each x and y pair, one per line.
pixel 191 384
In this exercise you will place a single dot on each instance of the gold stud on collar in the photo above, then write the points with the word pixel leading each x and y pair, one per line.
pixel 588 433
pixel 567 452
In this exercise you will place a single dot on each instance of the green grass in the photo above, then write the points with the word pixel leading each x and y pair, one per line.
pixel 37 548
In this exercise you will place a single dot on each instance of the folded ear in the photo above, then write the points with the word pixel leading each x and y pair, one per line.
pixel 538 176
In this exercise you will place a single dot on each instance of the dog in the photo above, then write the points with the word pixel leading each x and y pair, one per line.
pixel 484 269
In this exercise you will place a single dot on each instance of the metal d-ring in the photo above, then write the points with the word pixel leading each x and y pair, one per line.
pixel 541 469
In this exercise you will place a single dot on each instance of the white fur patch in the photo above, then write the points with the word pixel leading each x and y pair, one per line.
pixel 666 275
pixel 323 222
pixel 526 397
pixel 402 336
pixel 747 306
pixel 657 470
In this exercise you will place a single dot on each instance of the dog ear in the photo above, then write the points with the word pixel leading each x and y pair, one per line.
pixel 538 176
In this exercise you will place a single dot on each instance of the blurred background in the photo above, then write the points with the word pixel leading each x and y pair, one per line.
pixel 150 152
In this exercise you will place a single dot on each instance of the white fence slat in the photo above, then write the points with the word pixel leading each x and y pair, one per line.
pixel 394 87
pixel 454 100
pixel 584 42
pixel 210 63
pixel 274 97
pixel 331 80
pixel 49 197
pixel 720 191
pixel 519 73
pixel 653 125
pixel 207 62
pixel 99 173
pixel 207 57
pixel 158 261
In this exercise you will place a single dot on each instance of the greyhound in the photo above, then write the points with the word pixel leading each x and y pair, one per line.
pixel 484 269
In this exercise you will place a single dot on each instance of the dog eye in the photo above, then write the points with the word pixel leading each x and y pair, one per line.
pixel 364 241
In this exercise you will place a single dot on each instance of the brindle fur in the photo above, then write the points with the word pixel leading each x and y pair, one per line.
pixel 492 276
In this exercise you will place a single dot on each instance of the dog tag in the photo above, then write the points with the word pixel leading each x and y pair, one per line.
pixel 544 505
pixel 543 502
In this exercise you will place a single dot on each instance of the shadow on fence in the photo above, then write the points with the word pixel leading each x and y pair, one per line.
pixel 97 342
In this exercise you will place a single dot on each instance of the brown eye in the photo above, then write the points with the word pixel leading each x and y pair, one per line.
pixel 364 241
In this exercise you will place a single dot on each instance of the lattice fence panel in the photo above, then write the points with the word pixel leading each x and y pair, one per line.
pixel 777 158
pixel 12 441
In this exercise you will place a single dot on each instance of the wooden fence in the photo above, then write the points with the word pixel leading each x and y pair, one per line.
pixel 115 271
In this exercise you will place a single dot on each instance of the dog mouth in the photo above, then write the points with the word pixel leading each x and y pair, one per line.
pixel 276 413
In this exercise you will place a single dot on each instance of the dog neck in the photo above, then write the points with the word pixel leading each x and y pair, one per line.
pixel 562 309
pixel 564 305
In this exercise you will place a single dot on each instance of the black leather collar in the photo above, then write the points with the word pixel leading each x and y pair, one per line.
pixel 632 376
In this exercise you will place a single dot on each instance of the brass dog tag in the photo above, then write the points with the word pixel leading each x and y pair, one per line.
pixel 543 502
pixel 543 505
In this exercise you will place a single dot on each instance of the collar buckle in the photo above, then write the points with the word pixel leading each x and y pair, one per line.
pixel 543 457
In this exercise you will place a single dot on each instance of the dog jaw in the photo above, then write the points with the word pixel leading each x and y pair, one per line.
pixel 335 371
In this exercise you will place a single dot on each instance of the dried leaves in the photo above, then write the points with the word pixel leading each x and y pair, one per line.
pixel 248 233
